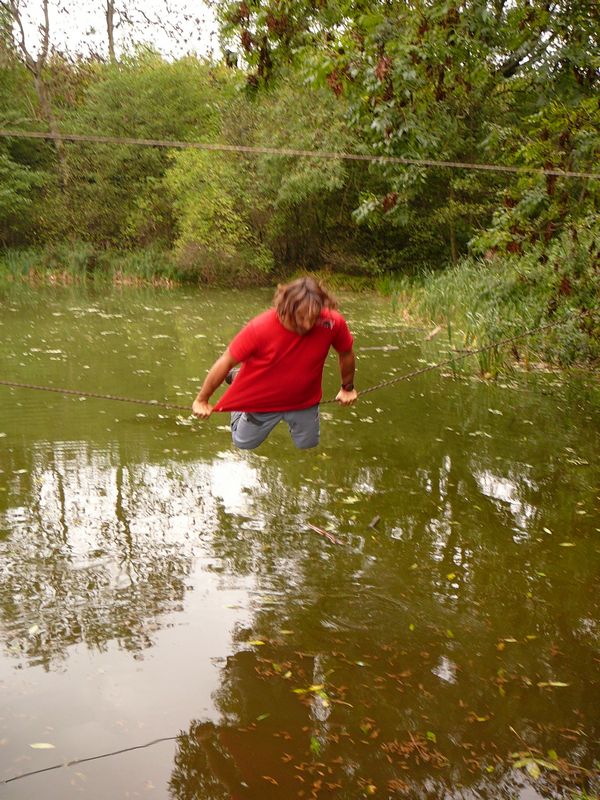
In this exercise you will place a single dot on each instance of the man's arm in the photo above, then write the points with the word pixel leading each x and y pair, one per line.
pixel 347 367
pixel 214 378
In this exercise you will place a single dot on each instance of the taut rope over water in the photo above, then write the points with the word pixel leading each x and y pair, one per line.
pixel 449 361
pixel 391 382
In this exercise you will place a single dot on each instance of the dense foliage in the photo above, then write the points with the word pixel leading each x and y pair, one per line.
pixel 480 81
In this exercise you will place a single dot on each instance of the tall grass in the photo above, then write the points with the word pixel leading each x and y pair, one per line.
pixel 481 301
pixel 76 262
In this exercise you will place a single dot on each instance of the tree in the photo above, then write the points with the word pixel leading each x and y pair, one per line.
pixel 427 79
pixel 36 64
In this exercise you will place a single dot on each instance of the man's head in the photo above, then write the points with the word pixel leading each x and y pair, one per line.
pixel 299 304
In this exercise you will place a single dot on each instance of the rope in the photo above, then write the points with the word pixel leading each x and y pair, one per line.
pixel 391 382
pixel 89 758
pixel 286 151
pixel 77 393
pixel 454 359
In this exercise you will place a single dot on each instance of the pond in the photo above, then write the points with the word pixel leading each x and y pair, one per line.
pixel 172 627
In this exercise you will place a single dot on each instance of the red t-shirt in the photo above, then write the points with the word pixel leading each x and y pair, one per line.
pixel 282 370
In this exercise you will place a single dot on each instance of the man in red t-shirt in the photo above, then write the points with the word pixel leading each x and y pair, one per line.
pixel 282 352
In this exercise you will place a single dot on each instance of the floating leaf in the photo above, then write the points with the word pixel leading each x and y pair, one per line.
pixel 262 716
pixel 533 769
pixel 315 745
pixel 431 736
pixel 42 746
pixel 567 544
pixel 553 755
pixel 256 642
pixel 451 576
pixel 547 684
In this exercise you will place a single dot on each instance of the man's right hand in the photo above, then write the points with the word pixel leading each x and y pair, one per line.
pixel 201 409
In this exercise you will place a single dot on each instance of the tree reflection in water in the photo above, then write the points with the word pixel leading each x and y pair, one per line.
pixel 415 647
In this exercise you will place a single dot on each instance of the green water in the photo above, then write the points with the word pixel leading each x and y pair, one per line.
pixel 156 583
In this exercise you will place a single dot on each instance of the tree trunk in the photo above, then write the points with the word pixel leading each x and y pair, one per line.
pixel 453 246
pixel 110 30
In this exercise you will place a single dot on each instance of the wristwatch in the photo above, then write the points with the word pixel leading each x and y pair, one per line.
pixel 348 387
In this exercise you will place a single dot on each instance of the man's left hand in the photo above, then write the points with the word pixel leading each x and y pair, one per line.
pixel 345 398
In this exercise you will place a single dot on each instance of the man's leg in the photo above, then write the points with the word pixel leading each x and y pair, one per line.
pixel 248 431
pixel 304 426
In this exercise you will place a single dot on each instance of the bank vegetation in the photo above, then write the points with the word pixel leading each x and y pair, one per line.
pixel 481 252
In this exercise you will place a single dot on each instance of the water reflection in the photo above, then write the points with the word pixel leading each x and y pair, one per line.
pixel 143 559
pixel 386 628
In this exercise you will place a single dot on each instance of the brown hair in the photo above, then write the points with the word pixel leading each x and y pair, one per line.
pixel 302 293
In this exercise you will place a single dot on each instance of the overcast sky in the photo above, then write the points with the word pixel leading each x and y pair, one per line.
pixel 175 27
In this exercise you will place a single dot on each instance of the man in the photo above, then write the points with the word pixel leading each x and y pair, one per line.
pixel 282 352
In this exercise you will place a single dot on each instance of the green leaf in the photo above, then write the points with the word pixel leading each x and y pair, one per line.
pixel 431 736
pixel 545 764
pixel 533 769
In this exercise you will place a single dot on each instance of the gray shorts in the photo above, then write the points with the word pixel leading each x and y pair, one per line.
pixel 248 430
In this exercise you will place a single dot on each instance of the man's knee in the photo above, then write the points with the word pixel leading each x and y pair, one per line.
pixel 306 444
pixel 248 431
pixel 305 427
pixel 244 444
